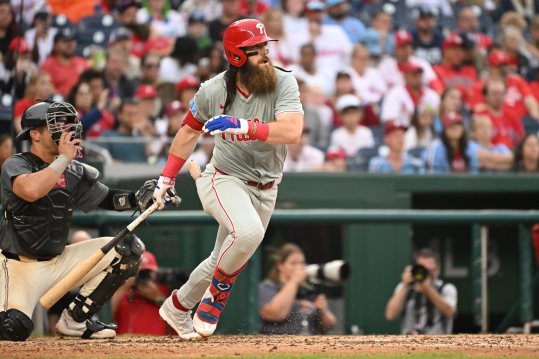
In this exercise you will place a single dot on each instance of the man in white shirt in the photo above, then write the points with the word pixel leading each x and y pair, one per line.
pixel 351 136
pixel 401 101
pixel 302 157
pixel 391 68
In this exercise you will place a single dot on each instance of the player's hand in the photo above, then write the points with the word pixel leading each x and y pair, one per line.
pixel 69 147
pixel 164 192
pixel 226 124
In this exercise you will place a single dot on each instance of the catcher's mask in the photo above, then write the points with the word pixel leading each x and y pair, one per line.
pixel 58 116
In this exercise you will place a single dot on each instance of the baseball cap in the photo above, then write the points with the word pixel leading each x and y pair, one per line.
pixel 451 118
pixel 402 38
pixel 330 3
pixel 411 67
pixel 335 152
pixel 119 34
pixel 173 108
pixel 19 44
pixel 65 34
pixel 148 262
pixel 314 5
pixel 197 17
pixel 371 40
pixel 125 4
pixel 497 58
pixel 187 82
pixel 348 101
pixel 452 40
pixel 393 125
pixel 146 92
pixel 424 11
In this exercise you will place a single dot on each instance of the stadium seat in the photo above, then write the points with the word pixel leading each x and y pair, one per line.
pixel 360 162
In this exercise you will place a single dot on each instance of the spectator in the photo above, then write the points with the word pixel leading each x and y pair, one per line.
pixel 396 160
pixel 508 129
pixel 6 148
pixel 335 160
pixel 198 30
pixel 533 45
pixel 62 64
pixel 391 68
pixel 305 69
pixel 73 10
pixel 39 87
pixel 187 88
pixel 452 71
pixel 210 9
pixel 302 157
pixel 229 14
pixel 16 74
pixel 318 135
pixel 333 48
pixel 128 142
pixel 518 101
pixel 149 102
pixel 293 20
pixel 337 14
pixel 164 20
pixel 181 61
pixel 150 64
pixel 525 9
pixel 121 38
pixel 421 131
pixel 449 153
pixel 280 50
pixel 401 101
pixel 427 40
pixel 513 43
pixel 371 41
pixel 96 80
pixel 351 136
pixel 527 154
pixel 490 157
pixel 120 87
pixel 424 303
pixel 450 101
pixel 365 79
pixel 94 118
pixel 126 16
pixel 135 305
pixel 282 310
pixel 9 28
pixel 468 23
pixel 40 37
pixel 382 24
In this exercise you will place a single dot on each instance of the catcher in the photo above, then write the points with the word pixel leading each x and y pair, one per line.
pixel 40 189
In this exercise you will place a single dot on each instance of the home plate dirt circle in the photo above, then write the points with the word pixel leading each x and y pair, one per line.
pixel 260 345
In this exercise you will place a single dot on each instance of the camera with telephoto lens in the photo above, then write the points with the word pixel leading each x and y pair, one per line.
pixel 419 273
pixel 333 272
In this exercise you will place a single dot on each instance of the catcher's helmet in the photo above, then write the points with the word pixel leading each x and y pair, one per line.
pixel 57 115
pixel 243 33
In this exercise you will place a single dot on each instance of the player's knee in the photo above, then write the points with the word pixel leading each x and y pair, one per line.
pixel 15 325
pixel 250 232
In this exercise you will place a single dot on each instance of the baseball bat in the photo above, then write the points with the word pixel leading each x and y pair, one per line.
pixel 194 169
pixel 72 278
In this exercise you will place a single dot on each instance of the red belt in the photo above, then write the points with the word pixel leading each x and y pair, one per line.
pixel 258 185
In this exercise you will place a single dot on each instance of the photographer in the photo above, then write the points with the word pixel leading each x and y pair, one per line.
pixel 285 306
pixel 423 302
pixel 135 306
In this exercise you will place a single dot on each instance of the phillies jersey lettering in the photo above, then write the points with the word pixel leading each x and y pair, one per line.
pixel 238 155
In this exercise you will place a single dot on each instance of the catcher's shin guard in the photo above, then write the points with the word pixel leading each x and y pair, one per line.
pixel 214 301
pixel 131 249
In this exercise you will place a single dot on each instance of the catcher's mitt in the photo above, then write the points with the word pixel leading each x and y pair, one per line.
pixel 144 195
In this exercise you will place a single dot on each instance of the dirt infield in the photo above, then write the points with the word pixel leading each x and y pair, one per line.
pixel 275 346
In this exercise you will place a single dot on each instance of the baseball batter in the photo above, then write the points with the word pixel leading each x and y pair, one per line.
pixel 40 189
pixel 253 109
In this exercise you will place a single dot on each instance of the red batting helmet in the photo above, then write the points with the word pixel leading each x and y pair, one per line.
pixel 243 33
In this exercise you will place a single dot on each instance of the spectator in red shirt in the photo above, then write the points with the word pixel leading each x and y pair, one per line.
pixel 187 88
pixel 63 66
pixel 39 87
pixel 518 101
pixel 468 23
pixel 508 129
pixel 135 305
pixel 452 72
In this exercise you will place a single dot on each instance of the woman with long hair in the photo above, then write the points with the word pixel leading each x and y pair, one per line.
pixel 39 88
pixel 284 307
pixel 449 153
pixel 527 154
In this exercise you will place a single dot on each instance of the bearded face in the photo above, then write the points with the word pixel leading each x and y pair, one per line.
pixel 259 79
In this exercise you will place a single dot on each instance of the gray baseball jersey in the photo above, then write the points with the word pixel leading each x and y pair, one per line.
pixel 237 155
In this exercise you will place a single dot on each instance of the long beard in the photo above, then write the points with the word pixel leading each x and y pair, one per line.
pixel 259 80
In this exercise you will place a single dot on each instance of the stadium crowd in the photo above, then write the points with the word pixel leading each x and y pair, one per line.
pixel 391 86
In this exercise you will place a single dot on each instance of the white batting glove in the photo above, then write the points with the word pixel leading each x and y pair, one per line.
pixel 164 192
